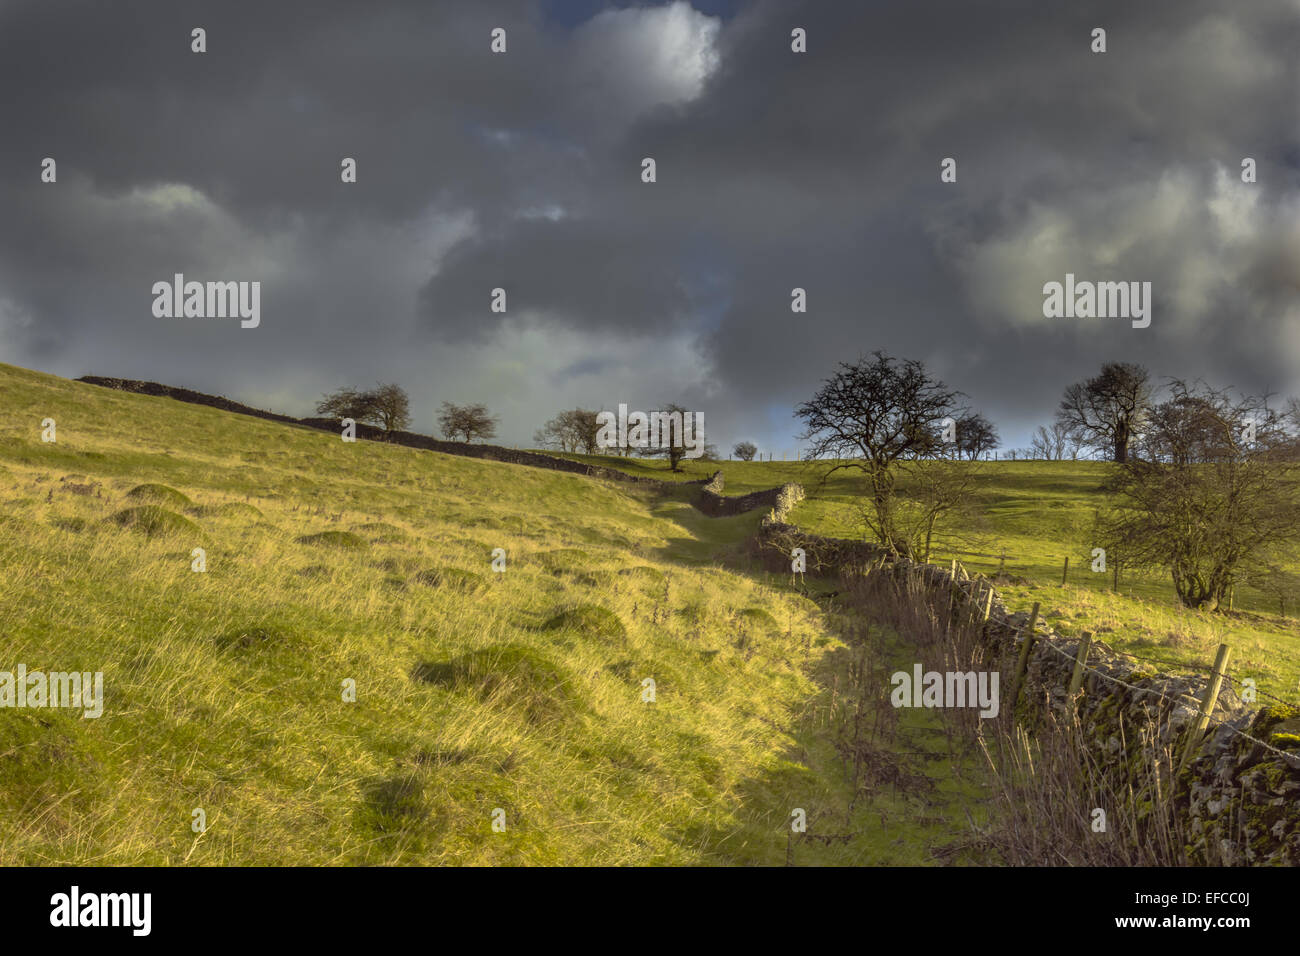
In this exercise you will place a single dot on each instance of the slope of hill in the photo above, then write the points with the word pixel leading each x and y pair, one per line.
pixel 362 430
pixel 519 698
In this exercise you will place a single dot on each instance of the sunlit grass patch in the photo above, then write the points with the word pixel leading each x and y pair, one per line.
pixel 324 701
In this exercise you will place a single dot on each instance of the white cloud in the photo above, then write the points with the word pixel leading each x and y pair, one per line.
pixel 635 59
pixel 1194 236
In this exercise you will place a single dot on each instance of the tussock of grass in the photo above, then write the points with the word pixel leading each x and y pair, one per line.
pixel 156 521
pixel 562 560
pixel 466 582
pixel 381 532
pixel 255 636
pixel 511 674
pixel 759 617
pixel 396 802
pixel 230 509
pixel 643 571
pixel 57 763
pixel 589 620
pixel 335 539
pixel 159 495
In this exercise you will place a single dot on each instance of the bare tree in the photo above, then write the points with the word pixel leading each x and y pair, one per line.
pixel 466 422
pixel 391 407
pixel 1280 584
pixel 586 426
pixel 1204 496
pixel 873 415
pixel 1054 442
pixel 1290 448
pixel 345 403
pixel 745 450
pixel 571 431
pixel 386 406
pixel 554 435
pixel 940 497
pixel 975 435
pixel 675 448
pixel 1106 411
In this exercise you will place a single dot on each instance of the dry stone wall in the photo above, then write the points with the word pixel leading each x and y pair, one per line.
pixel 712 502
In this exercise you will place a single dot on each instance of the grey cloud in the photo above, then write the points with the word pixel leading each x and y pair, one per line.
pixel 775 170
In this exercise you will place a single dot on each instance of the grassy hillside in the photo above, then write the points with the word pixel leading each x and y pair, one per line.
pixel 1037 514
pixel 475 691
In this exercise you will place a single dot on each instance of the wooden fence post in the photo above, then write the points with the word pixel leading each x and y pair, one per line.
pixel 1065 571
pixel 1208 700
pixel 1022 665
pixel 952 590
pixel 1080 659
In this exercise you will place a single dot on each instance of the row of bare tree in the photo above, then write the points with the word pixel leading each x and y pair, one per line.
pixel 387 406
pixel 576 430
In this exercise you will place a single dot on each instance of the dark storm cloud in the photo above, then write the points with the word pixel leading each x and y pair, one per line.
pixel 840 152
pixel 775 170
pixel 589 275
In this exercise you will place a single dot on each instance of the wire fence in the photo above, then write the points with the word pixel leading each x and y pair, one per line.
pixel 1181 665
pixel 1291 759
pixel 1264 596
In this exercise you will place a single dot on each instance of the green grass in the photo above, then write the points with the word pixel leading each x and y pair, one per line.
pixel 1039 513
pixel 331 565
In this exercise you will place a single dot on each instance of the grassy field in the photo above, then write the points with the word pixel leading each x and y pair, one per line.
pixel 476 691
pixel 1039 513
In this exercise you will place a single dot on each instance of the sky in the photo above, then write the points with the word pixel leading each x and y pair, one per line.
pixel 775 170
